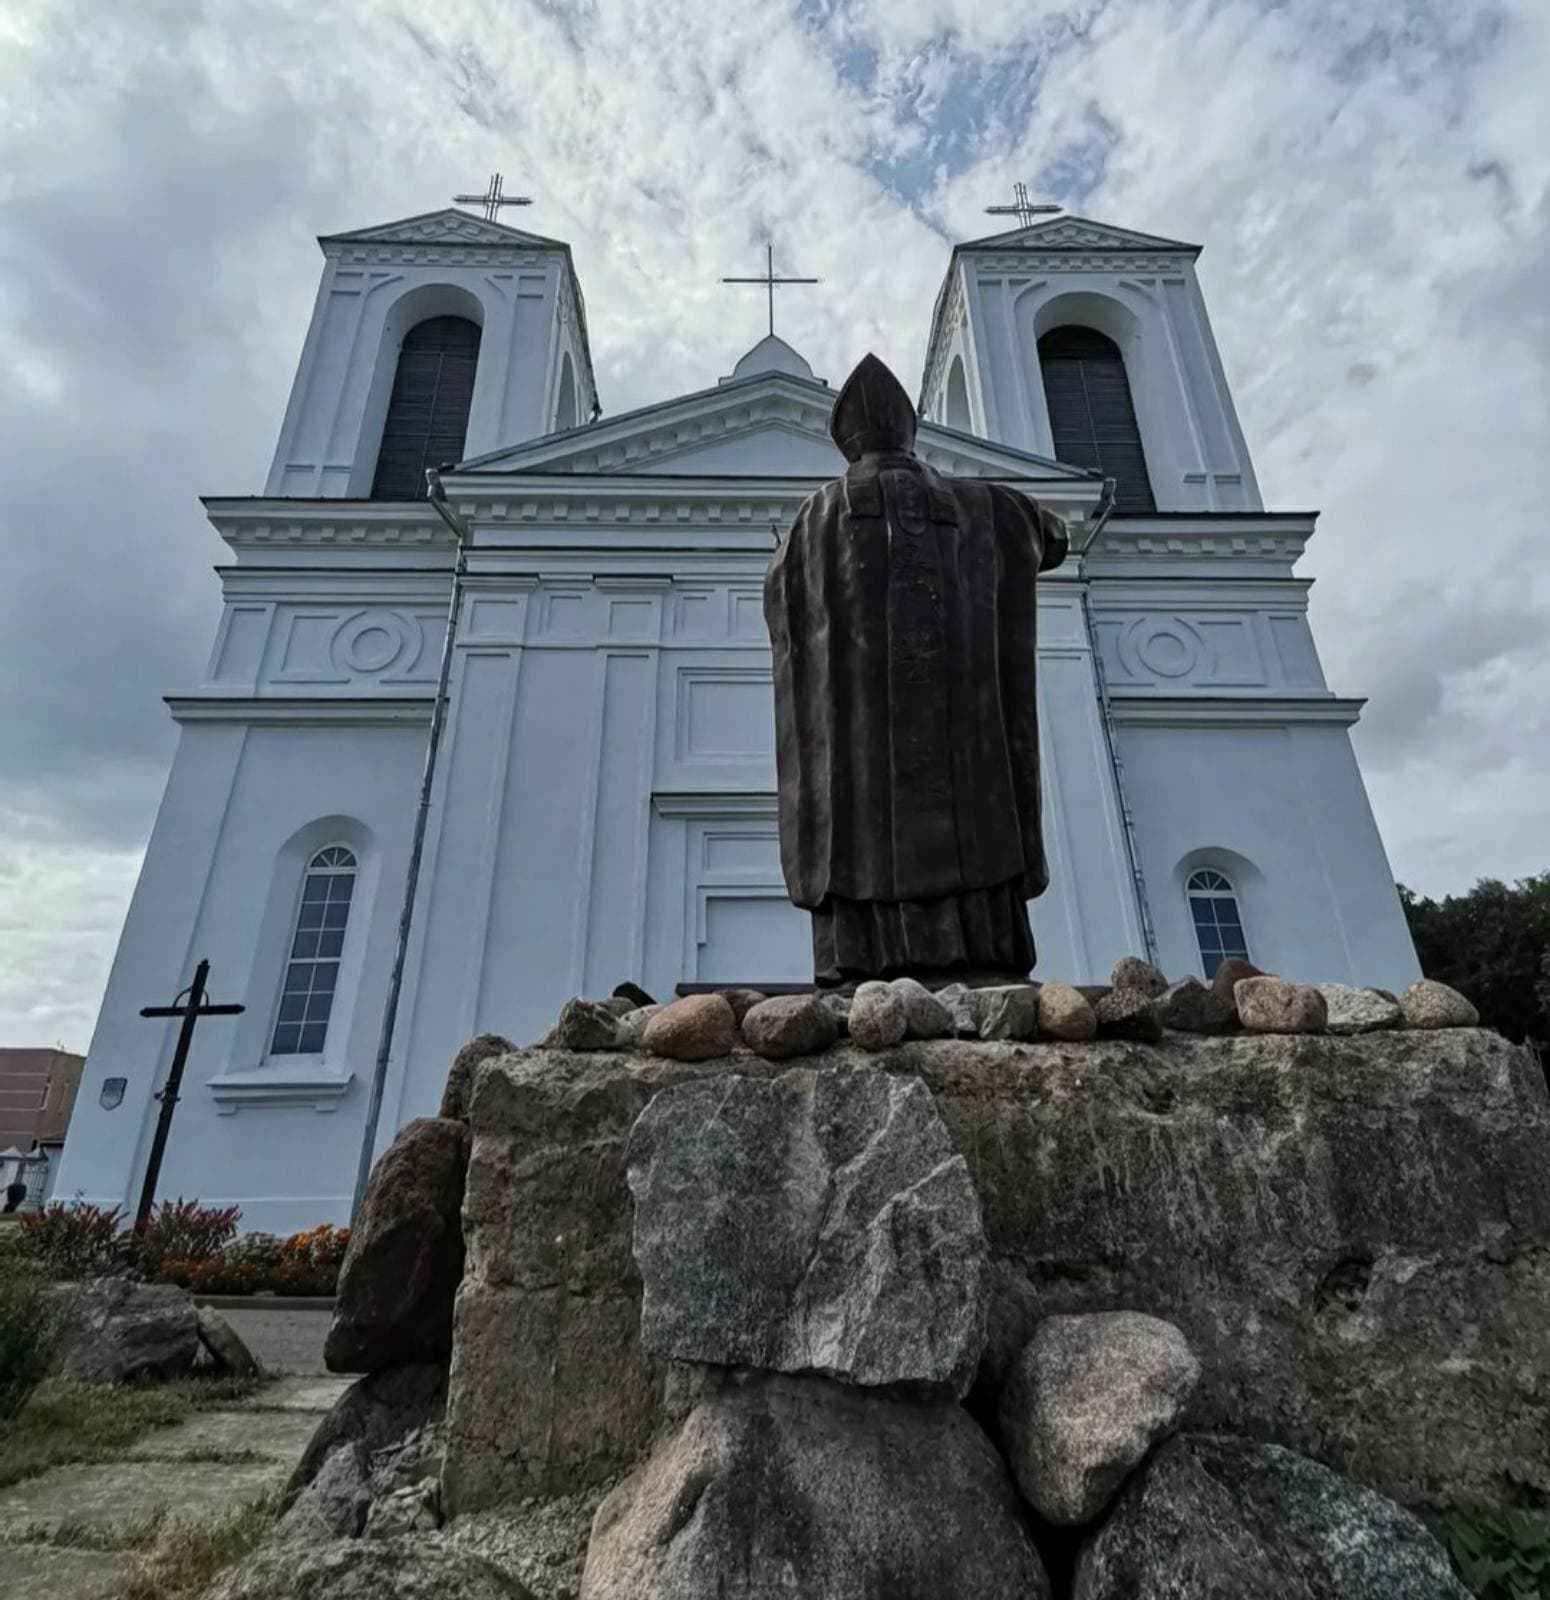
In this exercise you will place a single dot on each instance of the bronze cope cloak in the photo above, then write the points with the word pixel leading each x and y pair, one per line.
pixel 901 612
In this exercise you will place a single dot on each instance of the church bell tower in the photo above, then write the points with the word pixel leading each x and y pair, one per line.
pixel 433 340
pixel 1091 344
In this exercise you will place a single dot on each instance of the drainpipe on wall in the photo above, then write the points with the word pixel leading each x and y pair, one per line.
pixel 437 497
pixel 1111 744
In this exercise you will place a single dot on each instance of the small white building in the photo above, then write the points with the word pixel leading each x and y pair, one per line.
pixel 604 802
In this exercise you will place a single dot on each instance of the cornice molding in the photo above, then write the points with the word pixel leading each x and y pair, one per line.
pixel 697 804
pixel 1266 711
pixel 342 710
pixel 317 1088
pixel 394 253
pixel 1132 263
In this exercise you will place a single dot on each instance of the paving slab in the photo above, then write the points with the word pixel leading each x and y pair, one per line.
pixel 105 1500
pixel 297 1394
pixel 279 1435
pixel 284 1336
pixel 59 1574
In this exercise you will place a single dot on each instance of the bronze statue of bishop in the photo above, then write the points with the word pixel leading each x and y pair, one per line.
pixel 901 614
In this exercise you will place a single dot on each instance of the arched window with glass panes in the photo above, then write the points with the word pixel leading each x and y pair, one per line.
pixel 1213 905
pixel 317 944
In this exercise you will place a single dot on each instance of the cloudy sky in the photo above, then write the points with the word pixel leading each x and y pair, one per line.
pixel 1369 181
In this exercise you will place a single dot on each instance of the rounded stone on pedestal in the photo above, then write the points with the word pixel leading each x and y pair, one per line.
pixel 1129 1014
pixel 583 1025
pixel 879 1018
pixel 1131 972
pixel 1352 1010
pixel 742 1001
pixel 1009 1012
pixel 789 1025
pixel 963 1008
pixel 1065 1013
pixel 925 1016
pixel 1188 1006
pixel 1231 973
pixel 838 1007
pixel 632 1025
pixel 699 1027
pixel 1426 1003
pixel 1276 1005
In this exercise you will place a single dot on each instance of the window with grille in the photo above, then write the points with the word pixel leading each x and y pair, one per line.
pixel 1091 414
pixel 312 968
pixel 1213 905
pixel 427 415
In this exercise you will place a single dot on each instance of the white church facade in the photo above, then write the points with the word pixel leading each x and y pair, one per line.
pixel 603 803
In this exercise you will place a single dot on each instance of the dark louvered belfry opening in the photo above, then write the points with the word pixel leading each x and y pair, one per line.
pixel 1091 413
pixel 427 416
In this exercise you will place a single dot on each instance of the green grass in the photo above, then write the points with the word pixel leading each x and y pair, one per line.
pixel 174 1558
pixel 67 1424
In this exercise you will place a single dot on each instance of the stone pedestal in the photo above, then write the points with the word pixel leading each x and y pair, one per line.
pixel 1352 1232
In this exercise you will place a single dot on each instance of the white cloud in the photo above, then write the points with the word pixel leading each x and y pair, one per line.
pixel 1370 185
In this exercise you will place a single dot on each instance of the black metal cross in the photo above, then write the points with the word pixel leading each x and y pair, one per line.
pixel 1024 209
pixel 191 1005
pixel 492 199
pixel 769 280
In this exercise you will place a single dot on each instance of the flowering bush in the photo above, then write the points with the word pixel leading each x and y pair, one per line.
pixel 183 1230
pixel 185 1243
pixel 304 1264
pixel 258 1251
pixel 73 1241
pixel 310 1261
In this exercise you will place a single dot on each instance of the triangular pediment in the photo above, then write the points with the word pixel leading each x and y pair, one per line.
pixel 449 226
pixel 1078 233
pixel 772 425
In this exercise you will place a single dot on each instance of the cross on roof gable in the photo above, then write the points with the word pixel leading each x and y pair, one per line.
pixel 447 226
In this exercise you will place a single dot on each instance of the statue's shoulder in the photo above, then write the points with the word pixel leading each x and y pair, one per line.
pixel 825 502
pixel 1013 502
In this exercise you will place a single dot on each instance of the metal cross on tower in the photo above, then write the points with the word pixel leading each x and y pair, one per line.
pixel 769 280
pixel 1024 209
pixel 492 199
pixel 191 1005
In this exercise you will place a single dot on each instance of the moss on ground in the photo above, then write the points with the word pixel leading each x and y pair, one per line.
pixel 65 1423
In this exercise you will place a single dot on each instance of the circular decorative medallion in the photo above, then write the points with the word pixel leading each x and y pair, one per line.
pixel 1166 648
pixel 372 641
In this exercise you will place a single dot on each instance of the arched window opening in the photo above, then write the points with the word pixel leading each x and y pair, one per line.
pixel 427 415
pixel 1213 905
pixel 958 399
pixel 1091 413
pixel 312 968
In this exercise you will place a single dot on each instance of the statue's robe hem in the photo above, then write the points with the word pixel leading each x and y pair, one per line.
pixel 977 930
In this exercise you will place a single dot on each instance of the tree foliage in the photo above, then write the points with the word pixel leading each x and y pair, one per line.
pixel 1492 945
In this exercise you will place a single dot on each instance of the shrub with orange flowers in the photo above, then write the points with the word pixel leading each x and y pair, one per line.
pixel 185 1243
pixel 305 1263
pixel 309 1262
